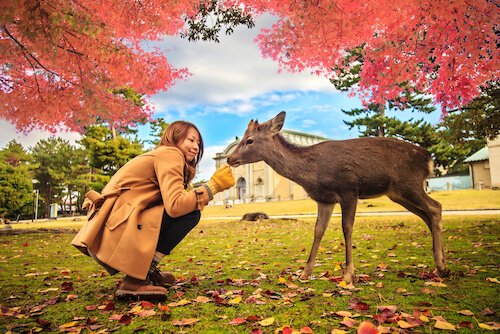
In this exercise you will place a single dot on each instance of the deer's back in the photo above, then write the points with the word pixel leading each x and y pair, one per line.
pixel 371 165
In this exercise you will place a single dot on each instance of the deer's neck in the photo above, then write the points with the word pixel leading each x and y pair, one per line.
pixel 288 160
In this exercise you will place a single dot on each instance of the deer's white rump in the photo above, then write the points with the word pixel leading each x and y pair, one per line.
pixel 343 171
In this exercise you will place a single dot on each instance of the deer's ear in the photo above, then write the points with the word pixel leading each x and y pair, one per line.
pixel 277 122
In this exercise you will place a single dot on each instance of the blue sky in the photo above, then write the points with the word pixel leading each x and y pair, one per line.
pixel 230 84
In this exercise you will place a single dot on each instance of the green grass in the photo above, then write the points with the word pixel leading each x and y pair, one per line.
pixel 247 259
pixel 450 200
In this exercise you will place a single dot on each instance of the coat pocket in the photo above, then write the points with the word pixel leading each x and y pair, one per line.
pixel 119 216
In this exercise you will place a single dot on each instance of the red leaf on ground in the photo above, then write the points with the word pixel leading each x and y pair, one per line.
pixel 125 320
pixel 356 304
pixel 91 307
pixel 237 321
pixel 367 327
pixel 147 305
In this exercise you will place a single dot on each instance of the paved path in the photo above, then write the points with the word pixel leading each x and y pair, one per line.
pixel 382 213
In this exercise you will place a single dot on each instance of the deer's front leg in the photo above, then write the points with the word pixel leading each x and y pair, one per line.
pixel 324 215
pixel 348 214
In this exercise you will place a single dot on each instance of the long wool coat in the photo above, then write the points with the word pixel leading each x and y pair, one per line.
pixel 123 232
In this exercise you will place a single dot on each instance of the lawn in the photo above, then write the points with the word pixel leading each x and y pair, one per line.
pixel 242 277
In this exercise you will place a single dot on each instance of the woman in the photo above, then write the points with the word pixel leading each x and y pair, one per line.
pixel 147 208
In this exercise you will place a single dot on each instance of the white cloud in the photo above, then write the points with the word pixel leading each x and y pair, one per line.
pixel 8 133
pixel 232 70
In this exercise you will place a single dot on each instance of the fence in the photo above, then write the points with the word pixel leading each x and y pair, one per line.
pixel 456 182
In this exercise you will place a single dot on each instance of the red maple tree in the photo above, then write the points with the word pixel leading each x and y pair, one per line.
pixel 444 48
pixel 68 62
pixel 65 62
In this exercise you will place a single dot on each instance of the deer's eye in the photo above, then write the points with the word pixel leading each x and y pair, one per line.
pixel 249 141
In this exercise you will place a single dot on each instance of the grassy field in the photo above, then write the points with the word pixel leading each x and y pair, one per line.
pixel 242 277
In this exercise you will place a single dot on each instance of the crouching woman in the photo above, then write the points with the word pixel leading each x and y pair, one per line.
pixel 147 208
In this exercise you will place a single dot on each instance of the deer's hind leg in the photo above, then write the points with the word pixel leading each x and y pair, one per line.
pixel 324 215
pixel 418 202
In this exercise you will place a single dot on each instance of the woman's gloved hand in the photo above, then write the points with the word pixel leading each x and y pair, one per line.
pixel 221 180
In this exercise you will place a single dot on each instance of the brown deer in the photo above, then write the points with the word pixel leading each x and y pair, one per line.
pixel 342 172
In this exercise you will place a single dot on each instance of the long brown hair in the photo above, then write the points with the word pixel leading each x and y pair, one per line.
pixel 173 135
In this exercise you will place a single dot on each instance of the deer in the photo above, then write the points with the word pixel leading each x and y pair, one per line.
pixel 344 171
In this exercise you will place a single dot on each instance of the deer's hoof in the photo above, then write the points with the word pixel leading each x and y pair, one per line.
pixel 304 276
pixel 442 272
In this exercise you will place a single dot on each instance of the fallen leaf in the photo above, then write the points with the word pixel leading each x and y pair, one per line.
pixel 445 325
pixel 338 331
pixel 306 330
pixel 367 327
pixel 185 322
pixel 465 312
pixel 493 280
pixel 237 321
pixel 202 299
pixel 182 302
pixel 235 300
pixel 147 313
pixel 492 326
pixel 438 284
pixel 348 322
pixel 267 322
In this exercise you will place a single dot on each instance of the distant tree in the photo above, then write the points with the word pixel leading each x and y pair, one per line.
pixel 211 18
pixel 52 161
pixel 157 126
pixel 16 188
pixel 478 120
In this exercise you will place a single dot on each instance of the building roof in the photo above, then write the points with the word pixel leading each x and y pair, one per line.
pixel 480 155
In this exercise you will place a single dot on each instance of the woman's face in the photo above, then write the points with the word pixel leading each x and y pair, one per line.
pixel 190 145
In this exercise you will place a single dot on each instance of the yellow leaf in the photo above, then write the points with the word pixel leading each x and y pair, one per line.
pixel 338 331
pixel 424 318
pixel 492 326
pixel 136 309
pixel 342 284
pixel 493 280
pixel 281 280
pixel 404 324
pixel 267 322
pixel 179 303
pixel 235 300
pixel 439 284
pixel 485 326
pixel 444 325
pixel 69 324
pixel 465 312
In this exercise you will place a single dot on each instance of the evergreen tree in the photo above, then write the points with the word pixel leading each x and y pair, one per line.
pixel 52 161
pixel 16 188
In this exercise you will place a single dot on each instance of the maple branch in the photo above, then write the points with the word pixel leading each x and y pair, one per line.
pixel 7 83
pixel 28 54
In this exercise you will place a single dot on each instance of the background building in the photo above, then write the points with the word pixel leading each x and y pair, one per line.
pixel 484 166
pixel 257 182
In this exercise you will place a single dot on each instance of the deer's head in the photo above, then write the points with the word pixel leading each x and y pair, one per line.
pixel 257 141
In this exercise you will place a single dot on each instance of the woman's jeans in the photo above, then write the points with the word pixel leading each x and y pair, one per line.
pixel 173 230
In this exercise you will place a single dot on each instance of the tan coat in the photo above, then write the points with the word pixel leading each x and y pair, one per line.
pixel 124 232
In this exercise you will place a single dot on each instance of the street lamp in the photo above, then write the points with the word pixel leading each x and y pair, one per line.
pixel 37 191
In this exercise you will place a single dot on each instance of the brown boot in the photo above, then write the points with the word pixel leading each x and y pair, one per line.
pixel 161 279
pixel 133 287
